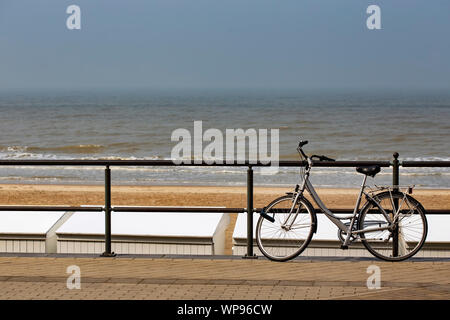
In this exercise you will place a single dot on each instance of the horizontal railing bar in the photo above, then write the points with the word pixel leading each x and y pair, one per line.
pixel 175 209
pixel 436 211
pixel 284 163
pixel 288 163
pixel 196 209
pixel 350 211
pixel 443 164
pixel 171 209
pixel 50 208
pixel 86 162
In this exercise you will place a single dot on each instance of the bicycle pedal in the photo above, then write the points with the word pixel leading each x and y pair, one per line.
pixel 344 247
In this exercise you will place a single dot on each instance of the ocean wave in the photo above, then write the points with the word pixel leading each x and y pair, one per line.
pixel 30 153
pixel 71 152
pixel 70 149
pixel 20 153
pixel 426 159
pixel 38 178
pixel 14 149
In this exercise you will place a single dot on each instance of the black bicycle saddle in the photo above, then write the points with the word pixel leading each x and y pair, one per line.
pixel 369 170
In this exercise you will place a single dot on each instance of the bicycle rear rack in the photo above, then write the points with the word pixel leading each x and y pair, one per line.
pixel 401 188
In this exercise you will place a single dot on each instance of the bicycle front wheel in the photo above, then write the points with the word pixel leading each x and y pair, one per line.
pixel 404 218
pixel 291 231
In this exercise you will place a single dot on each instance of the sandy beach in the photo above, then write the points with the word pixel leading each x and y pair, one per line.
pixel 13 194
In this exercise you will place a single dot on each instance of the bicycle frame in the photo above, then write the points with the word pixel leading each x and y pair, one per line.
pixel 333 218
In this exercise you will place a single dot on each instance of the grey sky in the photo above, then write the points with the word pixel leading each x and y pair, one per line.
pixel 224 44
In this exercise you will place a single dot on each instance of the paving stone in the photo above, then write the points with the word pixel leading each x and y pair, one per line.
pixel 43 277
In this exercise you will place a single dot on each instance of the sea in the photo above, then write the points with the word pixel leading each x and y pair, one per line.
pixel 139 123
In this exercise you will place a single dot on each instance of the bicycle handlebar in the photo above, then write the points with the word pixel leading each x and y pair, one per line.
pixel 322 158
pixel 301 143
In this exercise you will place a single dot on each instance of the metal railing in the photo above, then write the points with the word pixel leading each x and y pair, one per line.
pixel 108 208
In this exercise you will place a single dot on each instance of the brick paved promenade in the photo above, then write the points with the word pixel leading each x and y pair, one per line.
pixel 31 277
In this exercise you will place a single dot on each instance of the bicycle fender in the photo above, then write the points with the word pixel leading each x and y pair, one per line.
pixel 314 216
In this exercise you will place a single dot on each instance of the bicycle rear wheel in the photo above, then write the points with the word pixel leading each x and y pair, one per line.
pixel 291 231
pixel 410 225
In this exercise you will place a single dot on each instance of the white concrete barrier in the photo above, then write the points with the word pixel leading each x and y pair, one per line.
pixel 29 231
pixel 145 233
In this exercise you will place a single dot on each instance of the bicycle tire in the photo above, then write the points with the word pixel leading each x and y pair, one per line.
pixel 412 232
pixel 285 245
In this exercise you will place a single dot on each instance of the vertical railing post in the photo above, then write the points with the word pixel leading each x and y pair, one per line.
pixel 250 214
pixel 107 252
pixel 395 189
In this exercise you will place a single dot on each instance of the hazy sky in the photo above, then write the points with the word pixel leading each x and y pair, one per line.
pixel 224 44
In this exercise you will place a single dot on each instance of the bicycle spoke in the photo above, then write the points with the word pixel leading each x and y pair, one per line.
pixel 289 234
pixel 410 222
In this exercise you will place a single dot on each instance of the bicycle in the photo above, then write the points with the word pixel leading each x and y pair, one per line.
pixel 391 224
